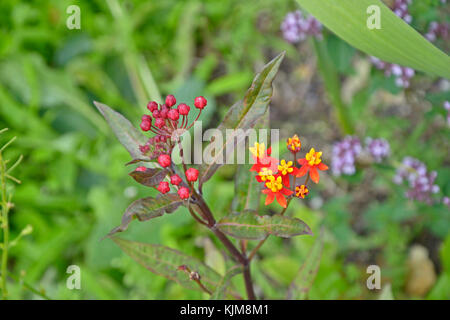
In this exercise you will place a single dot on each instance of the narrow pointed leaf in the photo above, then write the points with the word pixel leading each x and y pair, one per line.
pixel 395 42
pixel 165 261
pixel 246 188
pixel 244 115
pixel 150 177
pixel 148 208
pixel 248 225
pixel 221 290
pixel 304 279
pixel 128 135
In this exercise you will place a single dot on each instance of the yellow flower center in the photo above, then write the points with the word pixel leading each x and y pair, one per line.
pixel 301 191
pixel 274 184
pixel 258 150
pixel 313 157
pixel 294 143
pixel 285 168
pixel 265 174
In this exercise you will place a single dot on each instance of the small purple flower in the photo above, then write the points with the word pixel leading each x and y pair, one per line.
pixel 378 148
pixel 437 30
pixel 400 8
pixel 344 156
pixel 296 27
pixel 420 181
pixel 446 201
pixel 402 74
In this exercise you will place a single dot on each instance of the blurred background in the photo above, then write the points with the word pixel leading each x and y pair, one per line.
pixel 75 186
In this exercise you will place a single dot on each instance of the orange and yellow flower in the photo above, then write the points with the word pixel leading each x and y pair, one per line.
pixel 301 191
pixel 312 162
pixel 294 144
pixel 276 189
pixel 262 158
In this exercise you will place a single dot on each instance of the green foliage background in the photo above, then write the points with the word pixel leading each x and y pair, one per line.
pixel 75 186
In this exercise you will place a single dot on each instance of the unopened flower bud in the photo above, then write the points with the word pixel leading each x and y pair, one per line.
pixel 175 180
pixel 163 187
pixel 173 115
pixel 192 174
pixel 164 160
pixel 170 100
pixel 183 192
pixel 184 109
pixel 200 102
pixel 152 106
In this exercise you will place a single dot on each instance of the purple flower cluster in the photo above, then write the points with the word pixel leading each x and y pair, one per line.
pixel 378 149
pixel 400 8
pixel 296 27
pixel 420 181
pixel 344 156
pixel 402 74
pixel 438 30
pixel 346 152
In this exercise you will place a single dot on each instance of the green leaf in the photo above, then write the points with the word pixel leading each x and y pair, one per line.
pixel 395 42
pixel 165 261
pixel 244 115
pixel 308 271
pixel 221 290
pixel 248 225
pixel 127 134
pixel 150 177
pixel 246 188
pixel 148 208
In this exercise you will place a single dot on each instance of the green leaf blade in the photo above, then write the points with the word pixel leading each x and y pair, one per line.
pixel 126 133
pixel 148 208
pixel 165 261
pixel 250 226
pixel 244 114
pixel 150 177
pixel 395 42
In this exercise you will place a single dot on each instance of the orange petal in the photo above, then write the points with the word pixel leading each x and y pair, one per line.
pixel 281 200
pixel 269 151
pixel 285 180
pixel 322 166
pixel 314 174
pixel 286 192
pixel 302 161
pixel 294 172
pixel 302 171
pixel 269 199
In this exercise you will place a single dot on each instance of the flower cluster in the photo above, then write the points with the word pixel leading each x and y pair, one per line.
pixel 346 152
pixel 402 74
pixel 438 30
pixel 295 27
pixel 420 181
pixel 400 8
pixel 344 156
pixel 168 122
pixel 378 149
pixel 275 175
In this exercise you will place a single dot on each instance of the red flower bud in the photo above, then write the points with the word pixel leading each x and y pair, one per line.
pixel 170 100
pixel 163 112
pixel 146 117
pixel 152 106
pixel 183 192
pixel 146 125
pixel 164 160
pixel 200 102
pixel 183 109
pixel 156 114
pixel 163 187
pixel 175 180
pixel 192 174
pixel 173 115
pixel 159 123
pixel 141 169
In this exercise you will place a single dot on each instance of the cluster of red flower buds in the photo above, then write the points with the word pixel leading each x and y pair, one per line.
pixel 275 175
pixel 164 121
